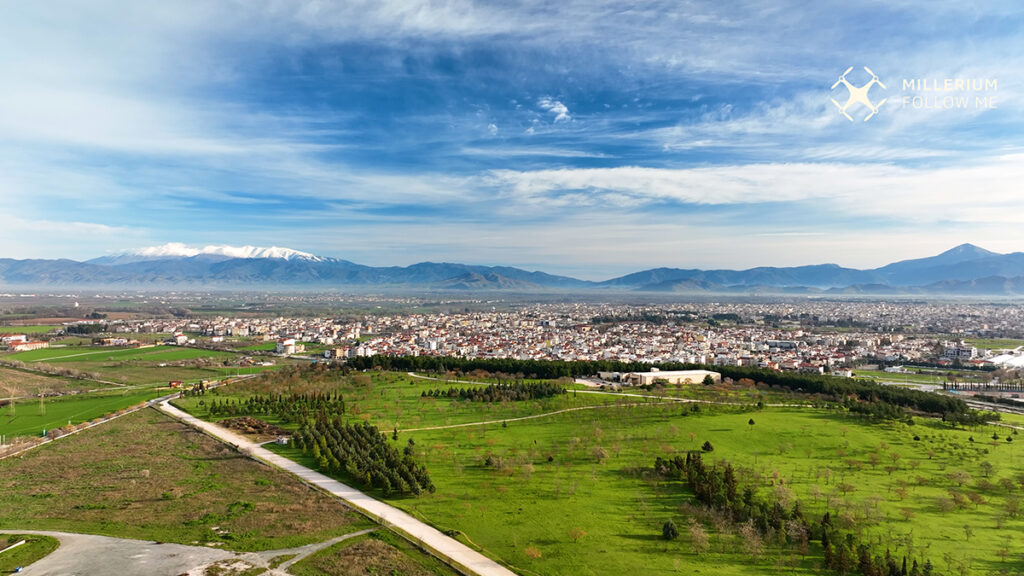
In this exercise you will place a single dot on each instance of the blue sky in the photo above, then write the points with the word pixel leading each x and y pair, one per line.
pixel 583 138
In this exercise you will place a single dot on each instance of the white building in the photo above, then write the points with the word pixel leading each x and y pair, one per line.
pixel 670 377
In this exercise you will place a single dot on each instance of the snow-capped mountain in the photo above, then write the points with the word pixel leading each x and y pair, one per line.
pixel 964 270
pixel 174 250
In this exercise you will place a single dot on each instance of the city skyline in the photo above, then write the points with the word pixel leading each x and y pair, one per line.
pixel 583 139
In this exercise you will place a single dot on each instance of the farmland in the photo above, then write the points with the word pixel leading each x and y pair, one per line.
pixel 32 417
pixel 17 383
pixel 89 382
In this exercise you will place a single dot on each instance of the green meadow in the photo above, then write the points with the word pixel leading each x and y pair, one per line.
pixel 394 400
pixel 575 492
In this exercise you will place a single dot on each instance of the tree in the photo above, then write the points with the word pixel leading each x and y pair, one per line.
pixel 698 537
pixel 599 454
pixel 669 531
pixel 751 538
pixel 707 447
pixel 750 423
pixel 576 533
pixel 708 380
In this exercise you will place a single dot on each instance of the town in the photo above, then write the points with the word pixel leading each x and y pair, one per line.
pixel 811 336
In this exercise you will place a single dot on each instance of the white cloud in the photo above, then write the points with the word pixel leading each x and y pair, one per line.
pixel 926 195
pixel 555 107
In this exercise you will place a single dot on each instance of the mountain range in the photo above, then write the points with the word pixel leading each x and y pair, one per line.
pixel 963 270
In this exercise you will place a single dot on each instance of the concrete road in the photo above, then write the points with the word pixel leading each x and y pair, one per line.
pixel 87 555
pixel 445 546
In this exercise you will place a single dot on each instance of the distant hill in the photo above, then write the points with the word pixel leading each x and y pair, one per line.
pixel 963 270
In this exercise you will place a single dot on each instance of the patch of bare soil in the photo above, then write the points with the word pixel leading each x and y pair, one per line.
pixel 253 427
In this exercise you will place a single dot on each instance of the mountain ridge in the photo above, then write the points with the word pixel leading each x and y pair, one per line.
pixel 964 269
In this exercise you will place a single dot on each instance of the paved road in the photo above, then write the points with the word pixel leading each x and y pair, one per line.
pixel 387 515
pixel 84 555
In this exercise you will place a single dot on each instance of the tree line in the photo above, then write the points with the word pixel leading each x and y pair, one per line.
pixel 833 387
pixel 500 392
pixel 289 408
pixel 363 454
pixel 716 487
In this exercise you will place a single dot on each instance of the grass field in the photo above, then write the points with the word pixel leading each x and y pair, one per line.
pixel 393 400
pixel 35 548
pixel 994 343
pixel 14 383
pixel 379 552
pixel 94 354
pixel 893 377
pixel 155 365
pixel 549 482
pixel 148 477
pixel 575 493
pixel 25 418
pixel 30 329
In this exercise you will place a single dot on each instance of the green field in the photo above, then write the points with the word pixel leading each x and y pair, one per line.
pixel 621 507
pixel 148 477
pixel 994 343
pixel 37 329
pixel 94 354
pixel 575 493
pixel 393 400
pixel 155 365
pixel 34 548
pixel 27 418
pixel 15 383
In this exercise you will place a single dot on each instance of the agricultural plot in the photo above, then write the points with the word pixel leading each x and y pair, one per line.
pixel 995 343
pixel 16 383
pixel 156 365
pixel 32 417
pixel 31 329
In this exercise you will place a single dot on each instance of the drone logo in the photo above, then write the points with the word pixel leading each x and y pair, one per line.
pixel 859 94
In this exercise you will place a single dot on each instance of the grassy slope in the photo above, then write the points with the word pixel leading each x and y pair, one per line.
pixel 379 552
pixel 34 548
pixel 532 503
pixel 506 510
pixel 148 477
